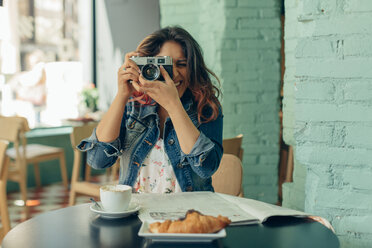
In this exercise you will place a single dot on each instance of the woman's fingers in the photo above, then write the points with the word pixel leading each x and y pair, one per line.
pixel 128 63
pixel 129 71
pixel 166 76
pixel 128 76
pixel 136 86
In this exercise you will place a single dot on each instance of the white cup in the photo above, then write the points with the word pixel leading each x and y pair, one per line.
pixel 115 198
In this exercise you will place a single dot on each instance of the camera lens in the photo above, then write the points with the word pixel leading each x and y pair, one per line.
pixel 150 72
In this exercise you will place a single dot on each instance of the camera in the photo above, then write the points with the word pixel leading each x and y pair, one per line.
pixel 150 66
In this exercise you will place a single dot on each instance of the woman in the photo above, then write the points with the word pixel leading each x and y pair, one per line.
pixel 173 145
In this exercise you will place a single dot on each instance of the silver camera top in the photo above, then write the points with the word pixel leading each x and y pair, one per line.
pixel 158 60
pixel 149 66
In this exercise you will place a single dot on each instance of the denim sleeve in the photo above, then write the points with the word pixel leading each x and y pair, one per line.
pixel 206 154
pixel 100 155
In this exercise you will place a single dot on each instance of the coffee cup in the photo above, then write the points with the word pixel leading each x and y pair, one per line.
pixel 115 198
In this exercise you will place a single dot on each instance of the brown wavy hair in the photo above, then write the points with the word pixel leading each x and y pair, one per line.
pixel 205 93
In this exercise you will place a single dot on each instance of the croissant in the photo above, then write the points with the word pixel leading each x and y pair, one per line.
pixel 194 222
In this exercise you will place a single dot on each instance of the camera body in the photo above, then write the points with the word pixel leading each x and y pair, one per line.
pixel 150 66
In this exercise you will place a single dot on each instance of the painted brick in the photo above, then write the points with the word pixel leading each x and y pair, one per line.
pixel 270 34
pixel 261 3
pixel 335 68
pixel 315 90
pixel 257 44
pixel 293 197
pixel 340 198
pixel 255 86
pixel 269 197
pixel 358 91
pixel 315 48
pixel 269 13
pixel 269 159
pixel 259 23
pixel 359 136
pixel 355 240
pixel 333 155
pixel 230 3
pixel 241 12
pixel 251 180
pixel 315 111
pixel 313 133
pixel 356 180
pixel 358 45
pixel 351 6
pixel 342 25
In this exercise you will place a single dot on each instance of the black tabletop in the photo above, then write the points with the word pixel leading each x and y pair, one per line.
pixel 77 226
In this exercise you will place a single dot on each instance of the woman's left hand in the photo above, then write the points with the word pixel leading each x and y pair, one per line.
pixel 164 93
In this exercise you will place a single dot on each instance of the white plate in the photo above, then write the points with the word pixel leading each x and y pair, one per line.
pixel 133 208
pixel 179 237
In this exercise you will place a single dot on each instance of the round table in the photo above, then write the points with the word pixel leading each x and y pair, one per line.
pixel 78 226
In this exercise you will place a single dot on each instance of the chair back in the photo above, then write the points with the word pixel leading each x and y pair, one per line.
pixel 81 132
pixel 228 178
pixel 12 128
pixel 81 187
pixel 234 146
pixel 3 147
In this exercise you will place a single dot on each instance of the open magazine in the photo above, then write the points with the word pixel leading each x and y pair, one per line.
pixel 241 211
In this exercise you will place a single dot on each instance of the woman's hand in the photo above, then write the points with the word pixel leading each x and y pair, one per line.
pixel 129 71
pixel 164 93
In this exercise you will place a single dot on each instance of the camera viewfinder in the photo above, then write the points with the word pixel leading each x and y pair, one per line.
pixel 161 61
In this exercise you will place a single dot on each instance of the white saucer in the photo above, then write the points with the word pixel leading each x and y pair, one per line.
pixel 133 208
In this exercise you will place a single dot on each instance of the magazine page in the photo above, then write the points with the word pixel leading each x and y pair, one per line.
pixel 260 209
pixel 159 207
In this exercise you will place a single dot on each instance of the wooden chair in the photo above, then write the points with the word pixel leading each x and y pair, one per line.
pixel 4 215
pixel 85 187
pixel 228 178
pixel 13 129
pixel 234 146
pixel 81 187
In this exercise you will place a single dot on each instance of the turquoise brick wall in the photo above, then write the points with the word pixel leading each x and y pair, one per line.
pixel 241 43
pixel 332 112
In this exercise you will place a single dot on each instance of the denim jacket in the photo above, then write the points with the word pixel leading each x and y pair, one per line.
pixel 139 132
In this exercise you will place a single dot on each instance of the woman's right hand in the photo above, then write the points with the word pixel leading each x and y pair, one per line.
pixel 128 75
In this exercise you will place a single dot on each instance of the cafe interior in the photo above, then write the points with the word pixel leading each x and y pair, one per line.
pixel 296 97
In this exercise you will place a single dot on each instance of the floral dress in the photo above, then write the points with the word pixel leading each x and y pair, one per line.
pixel 156 174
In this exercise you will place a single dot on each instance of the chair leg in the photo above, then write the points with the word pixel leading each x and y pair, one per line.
pixel 87 172
pixel 72 199
pixel 75 176
pixel 37 174
pixel 23 189
pixel 23 185
pixel 4 214
pixel 62 163
pixel 115 171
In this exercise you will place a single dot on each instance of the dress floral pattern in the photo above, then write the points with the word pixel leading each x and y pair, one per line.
pixel 156 174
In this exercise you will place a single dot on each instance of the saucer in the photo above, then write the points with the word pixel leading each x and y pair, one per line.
pixel 133 208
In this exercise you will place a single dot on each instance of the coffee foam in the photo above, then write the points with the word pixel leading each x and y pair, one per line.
pixel 116 188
